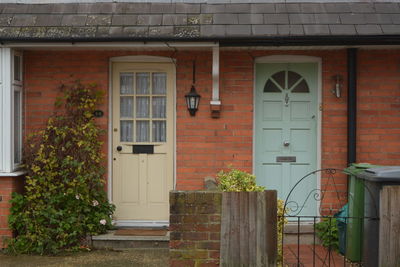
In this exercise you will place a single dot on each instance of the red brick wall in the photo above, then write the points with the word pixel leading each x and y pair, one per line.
pixel 195 228
pixel 8 185
pixel 206 145
pixel 378 138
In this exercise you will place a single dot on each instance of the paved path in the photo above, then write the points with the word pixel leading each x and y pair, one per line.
pixel 322 257
pixel 97 258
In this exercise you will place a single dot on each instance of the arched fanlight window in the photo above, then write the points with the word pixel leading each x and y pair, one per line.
pixel 286 80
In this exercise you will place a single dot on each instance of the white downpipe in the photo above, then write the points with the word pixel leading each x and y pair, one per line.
pixel 215 77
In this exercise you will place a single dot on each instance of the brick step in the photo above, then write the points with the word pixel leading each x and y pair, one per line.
pixel 112 241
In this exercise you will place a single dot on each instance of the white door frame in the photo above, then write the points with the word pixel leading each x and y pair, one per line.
pixel 136 59
pixel 294 59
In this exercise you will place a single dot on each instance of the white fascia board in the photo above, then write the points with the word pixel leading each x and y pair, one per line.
pixel 113 45
pixel 6 98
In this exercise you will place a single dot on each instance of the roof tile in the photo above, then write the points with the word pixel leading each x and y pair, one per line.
pixel 312 8
pixel 276 19
pixel 48 20
pixel 264 29
pixel 83 31
pixel 237 8
pixel 174 19
pixel 225 19
pixel 301 18
pixel 133 8
pixel 316 29
pixel 162 8
pixel 263 8
pixel 337 8
pixel 251 19
pixel 5 20
pixel 212 8
pixel 98 20
pixel 212 30
pixel 23 20
pixel 187 31
pixel 187 8
pixel 391 29
pixel 124 20
pixel 136 31
pixel 352 18
pixel 236 30
pixel 387 7
pixel 342 29
pixel 368 29
pixel 33 32
pixel 362 7
pixel 57 32
pixel 74 20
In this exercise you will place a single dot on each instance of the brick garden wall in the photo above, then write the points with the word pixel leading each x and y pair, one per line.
pixel 195 227
pixel 205 145
pixel 8 185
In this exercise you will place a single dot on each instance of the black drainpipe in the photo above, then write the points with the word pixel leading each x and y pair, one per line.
pixel 352 105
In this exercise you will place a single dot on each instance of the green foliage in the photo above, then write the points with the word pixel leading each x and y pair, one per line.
pixel 64 199
pixel 328 232
pixel 239 181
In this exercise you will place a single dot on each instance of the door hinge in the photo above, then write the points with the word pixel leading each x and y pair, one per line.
pixel 320 107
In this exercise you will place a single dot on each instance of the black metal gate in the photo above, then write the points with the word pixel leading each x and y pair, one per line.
pixel 330 237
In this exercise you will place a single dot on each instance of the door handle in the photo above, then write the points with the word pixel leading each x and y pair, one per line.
pixel 119 148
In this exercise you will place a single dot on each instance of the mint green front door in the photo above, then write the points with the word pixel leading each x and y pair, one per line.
pixel 286 117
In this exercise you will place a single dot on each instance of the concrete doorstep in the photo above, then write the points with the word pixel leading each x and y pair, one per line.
pixel 113 241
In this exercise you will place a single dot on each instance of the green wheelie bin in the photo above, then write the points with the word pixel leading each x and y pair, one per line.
pixel 354 231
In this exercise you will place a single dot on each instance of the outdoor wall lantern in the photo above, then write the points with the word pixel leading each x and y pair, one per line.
pixel 336 91
pixel 193 98
pixel 192 101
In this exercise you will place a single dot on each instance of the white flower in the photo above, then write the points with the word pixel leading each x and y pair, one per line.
pixel 95 203
pixel 103 221
pixel 77 197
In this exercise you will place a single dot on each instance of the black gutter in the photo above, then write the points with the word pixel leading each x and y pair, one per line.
pixel 322 40
pixel 352 105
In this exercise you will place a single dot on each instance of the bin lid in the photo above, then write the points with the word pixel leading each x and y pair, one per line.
pixel 356 168
pixel 383 174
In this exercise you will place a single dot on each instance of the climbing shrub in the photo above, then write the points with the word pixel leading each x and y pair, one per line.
pixel 239 181
pixel 64 199
pixel 327 230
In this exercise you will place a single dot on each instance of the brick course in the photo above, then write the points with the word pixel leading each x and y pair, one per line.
pixel 195 227
pixel 8 185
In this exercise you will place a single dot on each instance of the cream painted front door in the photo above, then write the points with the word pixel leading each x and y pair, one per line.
pixel 143 139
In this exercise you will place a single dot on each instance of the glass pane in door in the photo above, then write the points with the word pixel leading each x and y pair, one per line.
pixel 142 83
pixel 142 107
pixel 142 131
pixel 159 107
pixel 126 106
pixel 159 131
pixel 126 131
pixel 126 83
pixel 159 83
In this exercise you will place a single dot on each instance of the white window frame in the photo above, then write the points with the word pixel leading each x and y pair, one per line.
pixel 7 88
pixel 17 86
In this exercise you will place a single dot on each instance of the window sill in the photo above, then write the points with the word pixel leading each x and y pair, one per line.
pixel 12 174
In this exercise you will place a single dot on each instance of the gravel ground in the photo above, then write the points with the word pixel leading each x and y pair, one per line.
pixel 96 258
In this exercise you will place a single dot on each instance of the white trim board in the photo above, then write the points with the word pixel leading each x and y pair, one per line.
pixel 295 59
